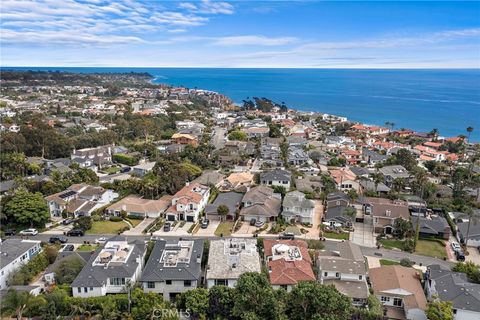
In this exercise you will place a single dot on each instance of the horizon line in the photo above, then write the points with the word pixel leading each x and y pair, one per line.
pixel 210 67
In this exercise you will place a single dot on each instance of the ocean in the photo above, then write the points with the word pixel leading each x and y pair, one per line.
pixel 448 100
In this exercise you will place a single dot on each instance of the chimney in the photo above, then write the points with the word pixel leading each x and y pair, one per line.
pixel 199 258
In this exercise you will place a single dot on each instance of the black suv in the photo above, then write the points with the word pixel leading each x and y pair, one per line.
pixel 287 236
pixel 75 233
pixel 56 239
pixel 10 232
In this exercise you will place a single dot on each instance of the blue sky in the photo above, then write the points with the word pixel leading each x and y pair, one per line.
pixel 316 34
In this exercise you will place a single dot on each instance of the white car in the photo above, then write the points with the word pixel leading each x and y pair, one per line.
pixel 29 232
pixel 455 246
pixel 101 240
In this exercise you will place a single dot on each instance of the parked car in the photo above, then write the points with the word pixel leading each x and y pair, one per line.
pixel 259 224
pixel 455 246
pixel 286 236
pixel 205 223
pixel 460 255
pixel 29 232
pixel 75 233
pixel 69 247
pixel 56 239
pixel 10 232
pixel 167 226
pixel 67 221
pixel 125 169
pixel 252 222
pixel 101 240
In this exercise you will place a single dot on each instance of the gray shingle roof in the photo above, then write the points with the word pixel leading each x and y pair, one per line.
pixel 455 287
pixel 95 276
pixel 156 271
pixel 275 175
pixel 231 199
pixel 297 199
pixel 12 249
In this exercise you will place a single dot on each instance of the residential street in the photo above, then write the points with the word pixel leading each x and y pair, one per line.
pixel 218 138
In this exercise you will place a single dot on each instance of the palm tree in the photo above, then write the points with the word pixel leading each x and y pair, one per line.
pixel 377 179
pixel 15 302
pixel 434 134
pixel 469 130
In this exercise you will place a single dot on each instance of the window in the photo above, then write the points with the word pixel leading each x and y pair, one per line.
pixel 337 274
pixel 284 286
pixel 168 282
pixel 397 302
pixel 325 274
pixel 117 281
pixel 85 289
pixel 151 285
pixel 79 290
pixel 221 282
pixel 384 299
pixel 360 277
pixel 91 288
pixel 187 283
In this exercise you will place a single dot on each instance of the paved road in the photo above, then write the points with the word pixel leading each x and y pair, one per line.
pixel 218 138
pixel 329 245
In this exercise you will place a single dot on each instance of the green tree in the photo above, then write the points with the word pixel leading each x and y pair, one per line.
pixel 440 310
pixel 254 293
pixel 402 227
pixel 221 302
pixel 15 303
pixel 196 301
pixel 311 300
pixel 68 270
pixel 84 223
pixel 237 135
pixel 27 208
pixel 275 131
pixel 469 131
pixel 223 210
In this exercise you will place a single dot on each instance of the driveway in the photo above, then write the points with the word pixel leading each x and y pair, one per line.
pixel 314 231
pixel 210 230
pixel 138 230
pixel 175 231
pixel 363 233
pixel 473 255
pixel 60 229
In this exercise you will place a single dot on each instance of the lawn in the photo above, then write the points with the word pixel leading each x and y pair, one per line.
pixel 391 243
pixel 106 227
pixel 87 247
pixel 334 235
pixel 135 222
pixel 112 170
pixel 385 262
pixel 431 248
pixel 224 228
pixel 293 229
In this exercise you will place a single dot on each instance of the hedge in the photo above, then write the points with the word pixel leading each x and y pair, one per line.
pixel 124 159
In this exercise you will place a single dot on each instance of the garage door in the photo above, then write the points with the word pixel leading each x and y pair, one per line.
pixel 190 218
pixel 170 218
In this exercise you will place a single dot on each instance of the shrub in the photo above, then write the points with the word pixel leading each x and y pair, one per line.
pixel 406 262
pixel 116 219
pixel 124 159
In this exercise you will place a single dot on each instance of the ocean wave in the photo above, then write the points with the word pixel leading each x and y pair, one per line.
pixel 429 100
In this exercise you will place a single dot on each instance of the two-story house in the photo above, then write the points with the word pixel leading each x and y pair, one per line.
pixel 188 203
pixel 228 259
pixel 14 254
pixel 173 267
pixel 345 269
pixel 288 263
pixel 93 157
pixel 183 138
pixel 298 208
pixel 277 177
pixel 79 200
pixel 400 291
pixel 261 204
pixel 110 269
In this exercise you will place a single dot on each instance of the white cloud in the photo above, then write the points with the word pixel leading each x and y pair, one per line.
pixel 87 22
pixel 253 40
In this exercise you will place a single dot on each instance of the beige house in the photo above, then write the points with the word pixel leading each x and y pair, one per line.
pixel 137 206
